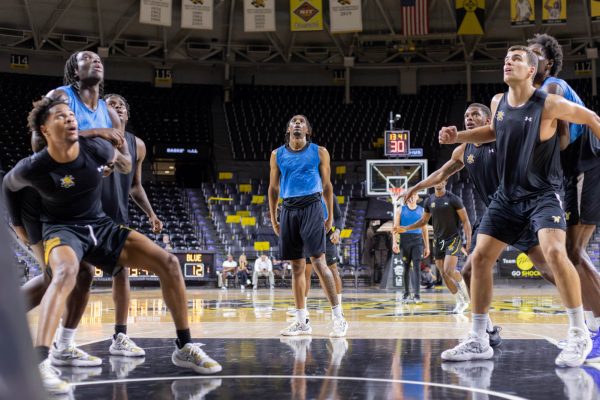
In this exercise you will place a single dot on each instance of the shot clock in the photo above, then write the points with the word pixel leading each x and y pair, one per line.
pixel 397 143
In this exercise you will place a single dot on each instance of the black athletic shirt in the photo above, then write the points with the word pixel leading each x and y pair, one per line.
pixel 116 187
pixel 70 192
pixel 480 162
pixel 446 222
pixel 527 167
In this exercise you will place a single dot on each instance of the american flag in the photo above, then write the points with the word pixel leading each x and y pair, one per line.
pixel 415 19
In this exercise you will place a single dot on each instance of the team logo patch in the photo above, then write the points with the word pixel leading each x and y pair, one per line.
pixel 432 205
pixel 500 115
pixel 67 181
pixel 258 3
pixel 568 215
pixel 471 159
pixel 556 218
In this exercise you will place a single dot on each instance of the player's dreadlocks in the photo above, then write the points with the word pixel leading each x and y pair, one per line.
pixel 70 78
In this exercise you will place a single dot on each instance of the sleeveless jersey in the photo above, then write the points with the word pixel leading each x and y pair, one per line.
pixel 86 118
pixel 116 187
pixel 409 217
pixel 480 162
pixel 299 171
pixel 527 167
pixel 575 130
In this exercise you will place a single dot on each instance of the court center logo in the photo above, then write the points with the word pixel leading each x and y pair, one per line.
pixel 306 11
pixel 67 181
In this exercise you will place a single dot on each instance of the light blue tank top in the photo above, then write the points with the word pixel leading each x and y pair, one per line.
pixel 299 171
pixel 575 130
pixel 86 118
pixel 409 217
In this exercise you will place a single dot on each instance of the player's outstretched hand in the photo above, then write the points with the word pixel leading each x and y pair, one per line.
pixel 155 223
pixel 448 135
pixel 399 229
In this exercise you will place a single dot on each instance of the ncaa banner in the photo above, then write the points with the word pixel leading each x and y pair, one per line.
pixel 156 12
pixel 346 16
pixel 306 15
pixel 522 13
pixel 470 16
pixel 259 15
pixel 554 12
pixel 595 10
pixel 197 14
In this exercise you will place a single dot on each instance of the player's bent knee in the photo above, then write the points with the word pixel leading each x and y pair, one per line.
pixel 555 254
pixel 64 274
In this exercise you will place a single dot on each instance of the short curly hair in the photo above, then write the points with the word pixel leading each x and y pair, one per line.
pixel 552 49
pixel 40 112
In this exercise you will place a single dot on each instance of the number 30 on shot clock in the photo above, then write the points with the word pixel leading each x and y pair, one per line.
pixel 397 143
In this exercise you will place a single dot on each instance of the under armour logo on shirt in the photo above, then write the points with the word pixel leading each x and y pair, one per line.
pixel 528 119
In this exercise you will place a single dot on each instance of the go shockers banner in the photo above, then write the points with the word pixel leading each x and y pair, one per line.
pixel 306 15
pixel 470 16
pixel 346 16
pixel 522 13
pixel 554 12
pixel 197 14
pixel 259 15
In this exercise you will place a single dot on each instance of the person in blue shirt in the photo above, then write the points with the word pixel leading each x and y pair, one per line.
pixel 300 176
pixel 414 245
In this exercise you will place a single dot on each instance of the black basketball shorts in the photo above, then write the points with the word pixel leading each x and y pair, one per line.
pixel 446 247
pixel 302 232
pixel 582 198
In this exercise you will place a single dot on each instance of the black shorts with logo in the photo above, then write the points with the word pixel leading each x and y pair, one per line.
pixel 302 229
pixel 446 247
pixel 332 255
pixel 99 243
pixel 509 221
pixel 527 241
pixel 582 198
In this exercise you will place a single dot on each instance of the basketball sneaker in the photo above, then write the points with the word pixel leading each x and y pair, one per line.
pixel 578 383
pixel 122 365
pixel 475 374
pixel 594 356
pixel 193 389
pixel 417 299
pixel 193 357
pixel 51 379
pixel 406 298
pixel 79 374
pixel 297 328
pixel 579 345
pixel 122 345
pixel 473 347
pixel 495 339
pixel 72 356
pixel 461 305
pixel 340 327
pixel 338 348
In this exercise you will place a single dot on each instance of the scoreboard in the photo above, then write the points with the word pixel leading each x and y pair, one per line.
pixel 196 266
pixel 397 143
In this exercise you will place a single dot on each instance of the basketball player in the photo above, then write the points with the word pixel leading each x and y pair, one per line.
pixel 331 254
pixel 67 175
pixel 448 212
pixel 524 126
pixel 301 171
pixel 414 245
pixel 581 168
pixel 523 10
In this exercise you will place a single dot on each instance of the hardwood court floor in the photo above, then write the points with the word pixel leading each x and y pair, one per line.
pixel 391 352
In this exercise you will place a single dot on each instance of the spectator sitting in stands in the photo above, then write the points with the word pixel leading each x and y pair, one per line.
pixel 243 272
pixel 229 267
pixel 427 278
pixel 166 243
pixel 263 267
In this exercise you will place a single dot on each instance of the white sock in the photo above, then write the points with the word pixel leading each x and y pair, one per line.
pixel 306 303
pixel 301 315
pixel 480 322
pixel 490 325
pixel 65 337
pixel 458 297
pixel 576 319
pixel 590 321
pixel 336 311
pixel 339 296
pixel 462 286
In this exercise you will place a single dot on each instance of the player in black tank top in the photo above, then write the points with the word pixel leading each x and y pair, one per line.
pixel 524 123
pixel 581 167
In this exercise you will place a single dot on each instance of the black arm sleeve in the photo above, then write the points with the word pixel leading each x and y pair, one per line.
pixel 13 182
pixel 337 213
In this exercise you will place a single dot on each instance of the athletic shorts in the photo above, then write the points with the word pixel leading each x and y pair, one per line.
pixel 509 221
pixel 527 241
pixel 331 253
pixel 582 198
pixel 302 231
pixel 31 206
pixel 446 247
pixel 99 243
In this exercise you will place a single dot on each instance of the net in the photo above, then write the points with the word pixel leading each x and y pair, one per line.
pixel 396 195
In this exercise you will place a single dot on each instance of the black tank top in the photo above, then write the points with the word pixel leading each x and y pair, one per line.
pixel 116 187
pixel 527 167
pixel 480 162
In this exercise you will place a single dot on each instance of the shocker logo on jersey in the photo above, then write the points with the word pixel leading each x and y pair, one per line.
pixel 500 115
pixel 471 159
pixel 432 205
pixel 556 218
pixel 67 181
pixel 258 3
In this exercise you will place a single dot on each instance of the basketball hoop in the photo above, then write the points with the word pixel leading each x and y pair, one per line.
pixel 396 195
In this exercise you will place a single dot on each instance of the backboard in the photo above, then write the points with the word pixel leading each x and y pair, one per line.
pixel 383 174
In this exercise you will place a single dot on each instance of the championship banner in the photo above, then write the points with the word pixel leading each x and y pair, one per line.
pixel 595 10
pixel 346 16
pixel 522 13
pixel 259 15
pixel 470 17
pixel 197 14
pixel 306 15
pixel 156 12
pixel 554 12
